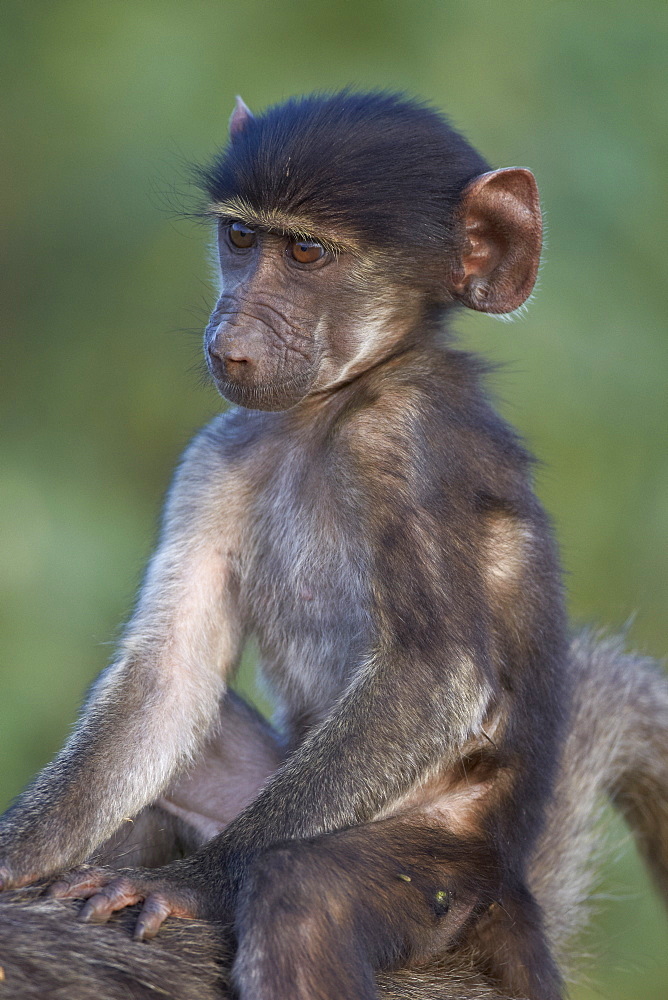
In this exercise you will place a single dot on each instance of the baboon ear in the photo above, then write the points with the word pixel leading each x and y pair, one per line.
pixel 240 117
pixel 500 236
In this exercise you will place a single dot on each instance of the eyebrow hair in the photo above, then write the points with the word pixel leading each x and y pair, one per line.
pixel 287 224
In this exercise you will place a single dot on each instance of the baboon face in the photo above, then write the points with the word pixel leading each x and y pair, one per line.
pixel 343 224
pixel 296 316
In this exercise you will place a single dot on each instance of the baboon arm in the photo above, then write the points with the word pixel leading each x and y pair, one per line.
pixel 148 714
pixel 326 784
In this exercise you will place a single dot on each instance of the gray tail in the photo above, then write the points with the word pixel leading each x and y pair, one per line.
pixel 617 749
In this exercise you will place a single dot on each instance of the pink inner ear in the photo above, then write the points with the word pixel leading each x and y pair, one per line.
pixel 481 255
pixel 501 241
pixel 240 117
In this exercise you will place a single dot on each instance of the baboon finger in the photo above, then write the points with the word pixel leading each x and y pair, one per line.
pixel 153 914
pixel 106 900
pixel 79 883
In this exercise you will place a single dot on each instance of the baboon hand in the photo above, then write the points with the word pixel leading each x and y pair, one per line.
pixel 107 891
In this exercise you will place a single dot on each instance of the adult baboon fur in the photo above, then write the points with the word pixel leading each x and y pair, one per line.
pixel 617 747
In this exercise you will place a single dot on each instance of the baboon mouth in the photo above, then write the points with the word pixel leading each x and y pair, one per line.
pixel 267 395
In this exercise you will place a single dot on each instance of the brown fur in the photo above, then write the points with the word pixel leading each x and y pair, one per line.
pixel 619 738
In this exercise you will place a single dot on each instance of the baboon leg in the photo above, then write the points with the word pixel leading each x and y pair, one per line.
pixel 321 917
pixel 154 837
pixel 235 762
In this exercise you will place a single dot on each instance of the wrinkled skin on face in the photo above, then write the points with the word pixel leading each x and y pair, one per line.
pixel 295 317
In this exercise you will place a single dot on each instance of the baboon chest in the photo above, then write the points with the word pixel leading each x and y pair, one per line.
pixel 307 588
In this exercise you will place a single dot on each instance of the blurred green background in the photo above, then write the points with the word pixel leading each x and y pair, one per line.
pixel 105 290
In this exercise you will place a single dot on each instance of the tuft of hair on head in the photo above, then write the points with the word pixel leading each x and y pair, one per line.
pixel 240 117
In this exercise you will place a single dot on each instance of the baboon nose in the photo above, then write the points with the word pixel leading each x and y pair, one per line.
pixel 235 357
pixel 236 362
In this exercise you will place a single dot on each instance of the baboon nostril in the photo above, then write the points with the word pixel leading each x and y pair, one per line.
pixel 230 357
pixel 237 363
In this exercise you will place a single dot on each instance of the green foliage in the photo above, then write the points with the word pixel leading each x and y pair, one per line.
pixel 103 282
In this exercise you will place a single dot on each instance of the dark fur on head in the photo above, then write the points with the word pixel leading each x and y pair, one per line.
pixel 317 158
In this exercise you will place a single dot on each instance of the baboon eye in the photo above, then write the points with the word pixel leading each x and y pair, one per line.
pixel 241 236
pixel 306 252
